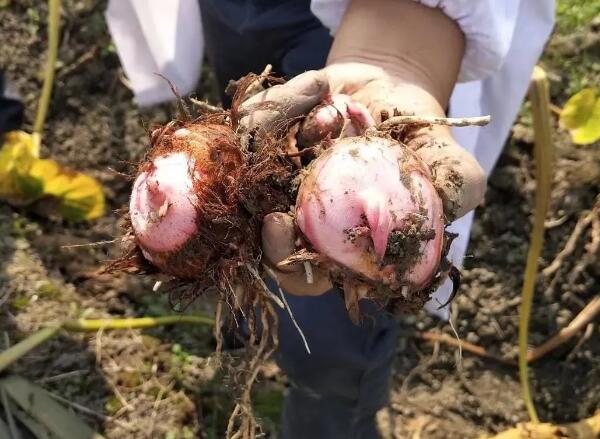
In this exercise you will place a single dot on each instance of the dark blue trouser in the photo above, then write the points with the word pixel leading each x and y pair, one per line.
pixel 336 390
pixel 244 36
pixel 11 109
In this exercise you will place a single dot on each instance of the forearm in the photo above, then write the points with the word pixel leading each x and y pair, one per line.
pixel 419 47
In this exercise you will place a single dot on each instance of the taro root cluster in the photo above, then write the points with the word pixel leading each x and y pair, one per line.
pixel 364 205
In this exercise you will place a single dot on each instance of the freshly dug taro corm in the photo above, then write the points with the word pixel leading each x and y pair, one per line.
pixel 365 209
pixel 195 214
pixel 368 208
pixel 188 170
pixel 339 116
pixel 197 203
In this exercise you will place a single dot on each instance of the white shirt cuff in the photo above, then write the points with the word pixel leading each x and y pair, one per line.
pixel 486 34
pixel 486 45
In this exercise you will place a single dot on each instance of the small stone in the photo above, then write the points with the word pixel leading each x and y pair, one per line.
pixel 21 244
pixel 472 337
pixel 564 317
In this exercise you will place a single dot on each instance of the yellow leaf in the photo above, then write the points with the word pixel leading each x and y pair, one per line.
pixel 59 182
pixel 28 188
pixel 22 139
pixel 25 178
pixel 578 109
pixel 589 132
pixel 85 201
pixel 16 153
pixel 81 196
pixel 44 169
pixel 16 158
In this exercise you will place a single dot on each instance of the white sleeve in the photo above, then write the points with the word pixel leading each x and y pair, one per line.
pixel 154 36
pixel 499 95
pixel 487 33
pixel 496 31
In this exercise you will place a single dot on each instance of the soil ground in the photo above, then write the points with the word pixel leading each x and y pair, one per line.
pixel 160 383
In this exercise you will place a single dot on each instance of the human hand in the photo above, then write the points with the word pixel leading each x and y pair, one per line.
pixel 457 176
pixel 411 71
pixel 267 112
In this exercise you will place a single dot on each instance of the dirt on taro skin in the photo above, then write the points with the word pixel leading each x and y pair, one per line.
pixel 160 383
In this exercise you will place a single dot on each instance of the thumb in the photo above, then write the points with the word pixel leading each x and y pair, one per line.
pixel 278 236
pixel 278 242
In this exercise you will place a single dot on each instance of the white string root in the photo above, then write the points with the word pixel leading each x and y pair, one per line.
pixel 264 286
pixel 205 107
pixel 310 278
pixel 429 120
pixel 272 273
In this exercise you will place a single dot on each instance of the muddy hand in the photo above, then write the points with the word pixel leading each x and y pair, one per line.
pixel 275 109
pixel 272 112
pixel 278 242
pixel 457 176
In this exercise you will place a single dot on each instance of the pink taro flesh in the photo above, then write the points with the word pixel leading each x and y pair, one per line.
pixel 162 204
pixel 356 115
pixel 360 186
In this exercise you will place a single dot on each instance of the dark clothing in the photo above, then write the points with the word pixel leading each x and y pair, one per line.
pixel 11 109
pixel 338 388
pixel 244 36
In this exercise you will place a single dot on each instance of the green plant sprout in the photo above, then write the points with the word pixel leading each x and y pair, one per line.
pixel 540 105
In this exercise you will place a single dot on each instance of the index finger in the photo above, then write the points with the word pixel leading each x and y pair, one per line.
pixel 275 108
